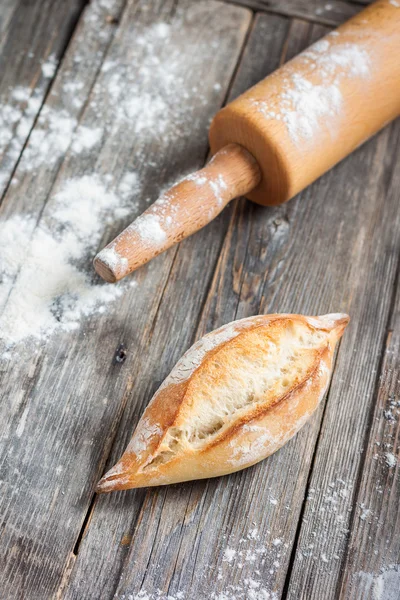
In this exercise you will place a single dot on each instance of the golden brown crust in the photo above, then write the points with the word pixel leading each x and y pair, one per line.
pixel 234 398
pixel 261 411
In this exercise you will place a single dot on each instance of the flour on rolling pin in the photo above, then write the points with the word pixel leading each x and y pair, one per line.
pixel 156 227
pixel 281 135
pixel 304 105
pixel 153 226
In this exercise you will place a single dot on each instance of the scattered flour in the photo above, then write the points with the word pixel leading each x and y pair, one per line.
pixel 197 179
pixel 329 510
pixel 12 253
pixel 16 120
pixel 162 30
pixel 218 186
pixel 137 107
pixel 384 585
pixel 258 560
pixel 21 94
pixel 248 571
pixel 324 557
pixel 114 261
pixel 149 228
pixel 129 184
pixel 54 133
pixel 148 110
pixel 229 555
pixel 253 534
pixel 49 263
pixel 86 138
pixel 303 104
pixel 366 512
pixel 48 260
pixel 49 140
pixel 391 460
pixel 49 67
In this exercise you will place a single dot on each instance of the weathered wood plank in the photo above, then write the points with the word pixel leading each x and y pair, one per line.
pixel 57 124
pixel 372 568
pixel 33 37
pixel 118 518
pixel 168 551
pixel 328 13
pixel 339 455
pixel 65 396
pixel 234 535
pixel 8 8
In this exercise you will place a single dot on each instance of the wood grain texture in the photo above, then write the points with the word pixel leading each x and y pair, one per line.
pixel 372 567
pixel 119 518
pixel 32 34
pixel 8 8
pixel 168 549
pixel 203 538
pixel 335 247
pixel 45 150
pixel 65 401
pixel 327 13
pixel 34 533
pixel 330 509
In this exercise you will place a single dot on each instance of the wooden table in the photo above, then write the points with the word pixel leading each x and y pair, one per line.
pixel 318 520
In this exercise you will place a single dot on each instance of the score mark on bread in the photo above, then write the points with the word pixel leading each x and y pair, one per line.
pixel 234 398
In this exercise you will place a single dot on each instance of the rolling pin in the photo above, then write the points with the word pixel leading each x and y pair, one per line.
pixel 279 136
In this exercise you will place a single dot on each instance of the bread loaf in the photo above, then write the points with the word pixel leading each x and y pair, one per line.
pixel 234 398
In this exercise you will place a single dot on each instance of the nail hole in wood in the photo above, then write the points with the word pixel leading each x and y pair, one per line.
pixel 120 354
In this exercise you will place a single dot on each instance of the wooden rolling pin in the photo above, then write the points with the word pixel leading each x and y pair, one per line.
pixel 280 135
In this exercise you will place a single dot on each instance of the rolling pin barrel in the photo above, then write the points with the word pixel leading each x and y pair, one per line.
pixel 281 135
pixel 317 108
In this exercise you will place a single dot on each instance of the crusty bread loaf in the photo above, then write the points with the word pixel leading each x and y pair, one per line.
pixel 234 398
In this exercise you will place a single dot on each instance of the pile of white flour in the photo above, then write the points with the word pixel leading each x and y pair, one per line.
pixel 47 282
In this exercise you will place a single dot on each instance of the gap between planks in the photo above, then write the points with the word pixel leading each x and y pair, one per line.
pixel 164 496
pixel 368 429
pixel 91 508
pixel 375 393
pixel 197 335
pixel 293 553
pixel 329 13
pixel 174 259
pixel 67 36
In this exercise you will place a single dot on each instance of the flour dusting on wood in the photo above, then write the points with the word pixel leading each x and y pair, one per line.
pixel 53 288
pixel 47 282
pixel 381 585
pixel 49 66
pixel 258 556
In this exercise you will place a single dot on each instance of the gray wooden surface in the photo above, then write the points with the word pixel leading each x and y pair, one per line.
pixel 328 13
pixel 320 518
pixel 30 34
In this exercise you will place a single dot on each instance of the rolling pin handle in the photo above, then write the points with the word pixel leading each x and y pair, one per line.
pixel 184 209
